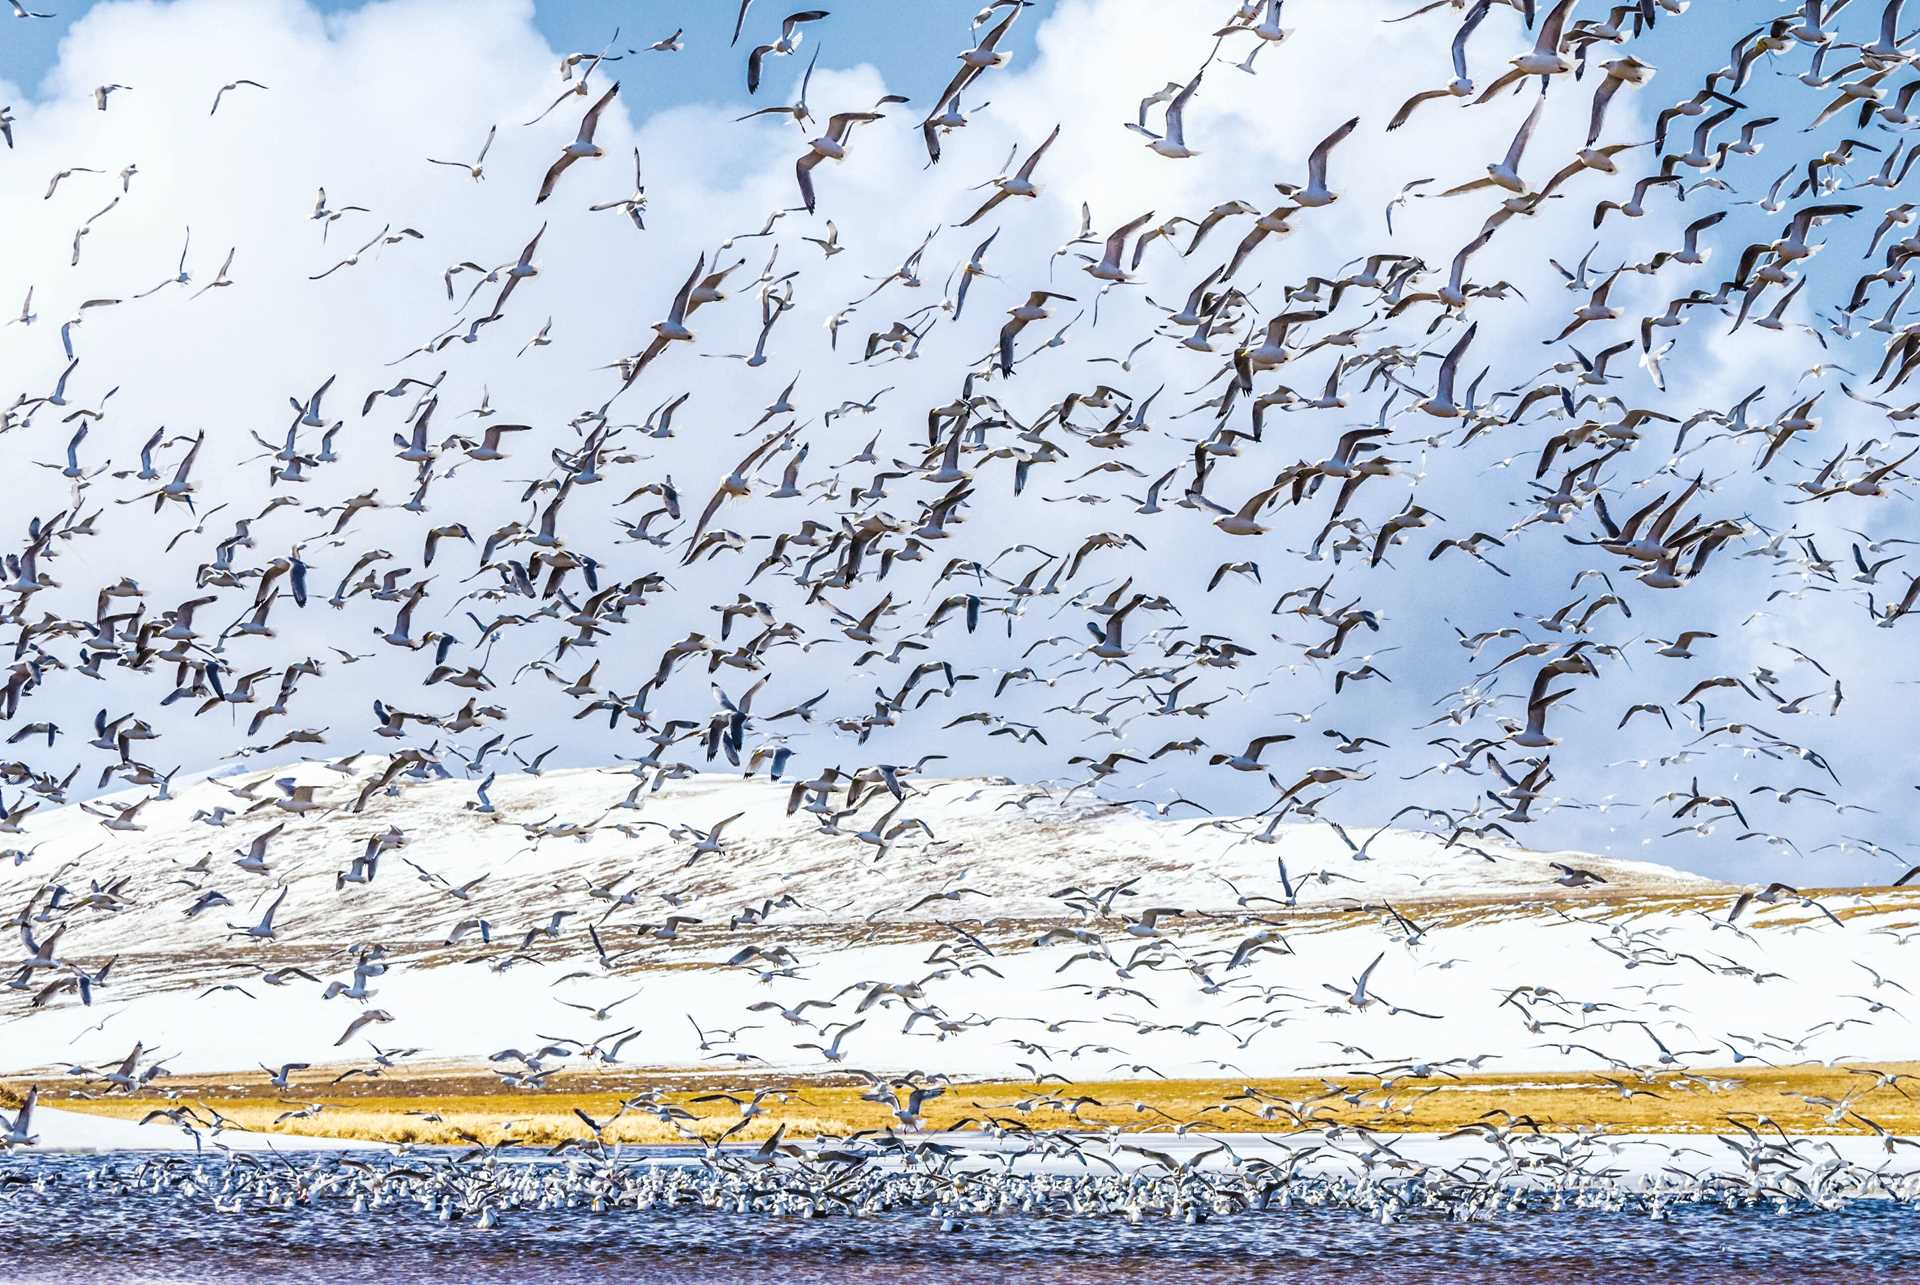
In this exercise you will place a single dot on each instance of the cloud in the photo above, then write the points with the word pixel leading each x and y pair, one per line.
pixel 357 103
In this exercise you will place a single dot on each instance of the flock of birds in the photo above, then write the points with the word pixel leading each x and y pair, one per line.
pixel 1060 1177
pixel 956 573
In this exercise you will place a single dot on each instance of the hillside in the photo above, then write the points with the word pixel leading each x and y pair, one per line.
pixel 1000 927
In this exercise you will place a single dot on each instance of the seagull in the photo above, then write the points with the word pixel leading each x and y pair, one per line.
pixel 476 173
pixel 582 145
pixel 802 114
pixel 1020 183
pixel 1173 144
pixel 1461 86
pixel 19 1130
pixel 62 175
pixel 1357 995
pixel 232 84
pixel 675 326
pixel 740 20
pixel 1505 173
pixel 1316 195
pixel 220 278
pixel 1248 760
pixel 1020 317
pixel 789 42
pixel 1546 59
pixel 635 206
pixel 262 931
pixel 830 146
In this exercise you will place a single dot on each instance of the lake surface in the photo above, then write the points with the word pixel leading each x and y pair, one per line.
pixel 108 1219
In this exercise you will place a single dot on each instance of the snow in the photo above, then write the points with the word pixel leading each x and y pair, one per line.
pixel 78 1131
pixel 1113 1002
pixel 981 837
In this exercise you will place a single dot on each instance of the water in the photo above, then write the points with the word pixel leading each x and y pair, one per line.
pixel 124 1231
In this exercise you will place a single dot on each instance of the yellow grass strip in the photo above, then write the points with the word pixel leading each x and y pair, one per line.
pixel 455 1106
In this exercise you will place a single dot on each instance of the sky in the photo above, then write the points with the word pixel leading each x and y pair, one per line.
pixel 893 37
pixel 355 106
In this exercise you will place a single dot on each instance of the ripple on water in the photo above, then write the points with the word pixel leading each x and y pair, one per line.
pixel 64 1234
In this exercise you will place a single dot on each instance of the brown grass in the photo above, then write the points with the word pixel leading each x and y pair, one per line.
pixel 470 1103
pixel 452 1105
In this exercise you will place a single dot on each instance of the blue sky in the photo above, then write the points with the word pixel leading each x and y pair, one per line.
pixel 892 35
pixel 709 177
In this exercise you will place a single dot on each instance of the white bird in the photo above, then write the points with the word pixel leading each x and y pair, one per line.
pixel 262 931
pixel 582 145
pixel 232 84
pixel 1020 183
pixel 635 206
pixel 474 168
pixel 830 146
pixel 1316 194
pixel 1545 59
pixel 789 42
pixel 254 859
pixel 1173 143
pixel 1108 267
pixel 19 1130
pixel 1505 173
pixel 675 326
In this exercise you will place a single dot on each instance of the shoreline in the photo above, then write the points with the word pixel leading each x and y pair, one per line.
pixel 463 1105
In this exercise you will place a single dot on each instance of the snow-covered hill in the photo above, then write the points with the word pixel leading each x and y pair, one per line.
pixel 904 891
pixel 1014 844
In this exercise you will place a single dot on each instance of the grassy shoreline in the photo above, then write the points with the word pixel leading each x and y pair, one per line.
pixel 456 1105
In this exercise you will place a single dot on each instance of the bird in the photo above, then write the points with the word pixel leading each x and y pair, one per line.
pixel 582 146
pixel 635 206
pixel 229 86
pixel 1316 194
pixel 264 929
pixel 947 728
pixel 1018 184
pixel 19 1129
pixel 788 42
pixel 1173 143
pixel 830 146
pixel 1248 760
pixel 475 170
pixel 1461 86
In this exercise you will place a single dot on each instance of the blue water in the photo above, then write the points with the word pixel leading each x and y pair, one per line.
pixel 133 1228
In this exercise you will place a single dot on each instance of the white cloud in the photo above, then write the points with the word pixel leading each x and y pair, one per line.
pixel 356 105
